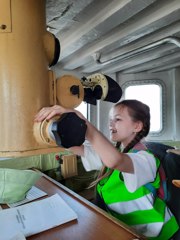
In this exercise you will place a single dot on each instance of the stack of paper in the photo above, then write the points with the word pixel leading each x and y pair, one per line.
pixel 33 193
pixel 35 217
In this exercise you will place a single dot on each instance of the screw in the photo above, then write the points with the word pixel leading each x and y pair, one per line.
pixel 3 27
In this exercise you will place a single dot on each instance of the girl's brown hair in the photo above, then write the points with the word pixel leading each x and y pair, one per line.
pixel 138 111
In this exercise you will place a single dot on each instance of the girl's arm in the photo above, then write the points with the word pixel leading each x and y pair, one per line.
pixel 109 155
pixel 77 150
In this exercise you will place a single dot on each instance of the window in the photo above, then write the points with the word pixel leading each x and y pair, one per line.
pixel 150 94
pixel 83 109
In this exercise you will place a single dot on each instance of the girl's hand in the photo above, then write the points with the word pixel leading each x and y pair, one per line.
pixel 49 112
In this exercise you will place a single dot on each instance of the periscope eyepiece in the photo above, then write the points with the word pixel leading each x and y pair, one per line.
pixel 66 131
pixel 99 86
pixel 69 130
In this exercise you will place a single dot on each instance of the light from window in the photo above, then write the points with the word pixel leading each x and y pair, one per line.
pixel 83 109
pixel 149 94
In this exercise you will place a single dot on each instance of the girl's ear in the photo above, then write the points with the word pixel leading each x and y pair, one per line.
pixel 138 126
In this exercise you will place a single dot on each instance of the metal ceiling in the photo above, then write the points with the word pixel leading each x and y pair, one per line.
pixel 125 36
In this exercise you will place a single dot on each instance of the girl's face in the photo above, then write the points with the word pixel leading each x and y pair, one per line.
pixel 122 128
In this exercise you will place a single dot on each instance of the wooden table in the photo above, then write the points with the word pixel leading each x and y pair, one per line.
pixel 92 223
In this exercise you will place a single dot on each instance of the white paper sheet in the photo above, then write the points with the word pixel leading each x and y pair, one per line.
pixel 33 193
pixel 35 217
pixel 18 236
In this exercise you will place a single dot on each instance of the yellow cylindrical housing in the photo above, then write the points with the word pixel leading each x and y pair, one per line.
pixel 24 77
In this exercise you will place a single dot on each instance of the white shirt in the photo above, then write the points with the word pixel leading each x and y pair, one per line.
pixel 144 167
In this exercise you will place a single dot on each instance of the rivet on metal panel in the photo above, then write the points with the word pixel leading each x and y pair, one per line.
pixel 3 26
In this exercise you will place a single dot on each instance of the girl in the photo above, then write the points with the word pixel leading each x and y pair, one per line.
pixel 126 169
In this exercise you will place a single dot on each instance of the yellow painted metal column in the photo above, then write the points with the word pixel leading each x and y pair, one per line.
pixel 24 75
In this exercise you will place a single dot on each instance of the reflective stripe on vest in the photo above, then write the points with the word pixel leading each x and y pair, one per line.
pixel 138 209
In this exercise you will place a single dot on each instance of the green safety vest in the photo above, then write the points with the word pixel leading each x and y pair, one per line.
pixel 129 208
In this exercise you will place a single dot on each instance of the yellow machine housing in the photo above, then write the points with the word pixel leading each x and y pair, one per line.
pixel 26 82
